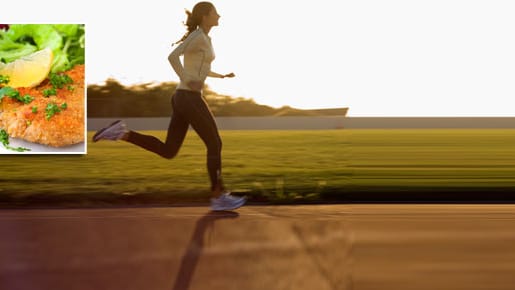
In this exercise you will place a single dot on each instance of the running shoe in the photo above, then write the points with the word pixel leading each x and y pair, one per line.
pixel 113 132
pixel 227 201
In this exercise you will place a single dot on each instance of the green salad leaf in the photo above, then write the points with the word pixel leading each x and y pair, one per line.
pixel 67 42
pixel 8 92
pixel 4 80
pixel 11 50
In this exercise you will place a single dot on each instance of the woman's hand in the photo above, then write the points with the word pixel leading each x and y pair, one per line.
pixel 195 85
pixel 231 75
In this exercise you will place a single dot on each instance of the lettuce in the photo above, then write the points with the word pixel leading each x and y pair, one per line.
pixel 10 50
pixel 67 42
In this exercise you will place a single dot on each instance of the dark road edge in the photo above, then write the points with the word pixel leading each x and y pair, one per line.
pixel 351 195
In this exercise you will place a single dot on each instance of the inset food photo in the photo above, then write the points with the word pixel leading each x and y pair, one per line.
pixel 42 89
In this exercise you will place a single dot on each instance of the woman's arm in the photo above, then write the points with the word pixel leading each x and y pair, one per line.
pixel 221 76
pixel 174 57
pixel 175 61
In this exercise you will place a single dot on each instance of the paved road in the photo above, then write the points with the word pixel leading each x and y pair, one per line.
pixel 274 247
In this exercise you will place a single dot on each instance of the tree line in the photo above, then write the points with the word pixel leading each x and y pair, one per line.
pixel 113 99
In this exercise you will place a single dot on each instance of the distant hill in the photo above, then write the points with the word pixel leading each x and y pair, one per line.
pixel 153 100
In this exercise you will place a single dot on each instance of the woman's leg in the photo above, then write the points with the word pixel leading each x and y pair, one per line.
pixel 177 130
pixel 203 122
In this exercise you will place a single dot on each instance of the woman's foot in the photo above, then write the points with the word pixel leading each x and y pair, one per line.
pixel 116 131
pixel 226 201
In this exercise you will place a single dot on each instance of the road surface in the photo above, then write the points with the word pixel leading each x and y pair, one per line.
pixel 260 247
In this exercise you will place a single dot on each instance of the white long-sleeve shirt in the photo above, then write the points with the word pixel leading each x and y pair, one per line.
pixel 198 54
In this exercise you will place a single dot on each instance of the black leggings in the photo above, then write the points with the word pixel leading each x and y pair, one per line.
pixel 189 108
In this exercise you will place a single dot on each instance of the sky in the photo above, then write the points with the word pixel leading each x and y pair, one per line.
pixel 376 57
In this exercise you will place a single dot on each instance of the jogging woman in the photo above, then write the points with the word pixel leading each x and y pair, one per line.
pixel 188 105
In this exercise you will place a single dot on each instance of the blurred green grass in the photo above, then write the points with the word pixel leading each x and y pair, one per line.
pixel 275 165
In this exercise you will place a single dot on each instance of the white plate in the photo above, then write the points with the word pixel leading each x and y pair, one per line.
pixel 35 148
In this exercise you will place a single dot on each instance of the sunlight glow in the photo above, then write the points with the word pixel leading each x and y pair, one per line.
pixel 379 58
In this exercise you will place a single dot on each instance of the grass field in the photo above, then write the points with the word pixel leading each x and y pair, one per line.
pixel 274 165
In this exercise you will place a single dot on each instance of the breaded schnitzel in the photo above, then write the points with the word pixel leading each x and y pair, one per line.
pixel 56 120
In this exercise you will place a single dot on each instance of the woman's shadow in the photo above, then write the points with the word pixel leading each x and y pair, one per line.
pixel 196 245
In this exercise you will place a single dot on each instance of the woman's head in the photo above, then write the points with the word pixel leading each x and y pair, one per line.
pixel 202 12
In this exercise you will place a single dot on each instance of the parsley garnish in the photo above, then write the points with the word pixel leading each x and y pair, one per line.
pixel 27 99
pixel 14 94
pixel 4 80
pixel 59 80
pixel 49 92
pixel 34 109
pixel 4 138
pixel 53 108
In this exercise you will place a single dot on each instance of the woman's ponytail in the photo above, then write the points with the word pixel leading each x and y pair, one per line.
pixel 194 19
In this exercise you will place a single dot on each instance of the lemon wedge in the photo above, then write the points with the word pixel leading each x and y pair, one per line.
pixel 30 70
